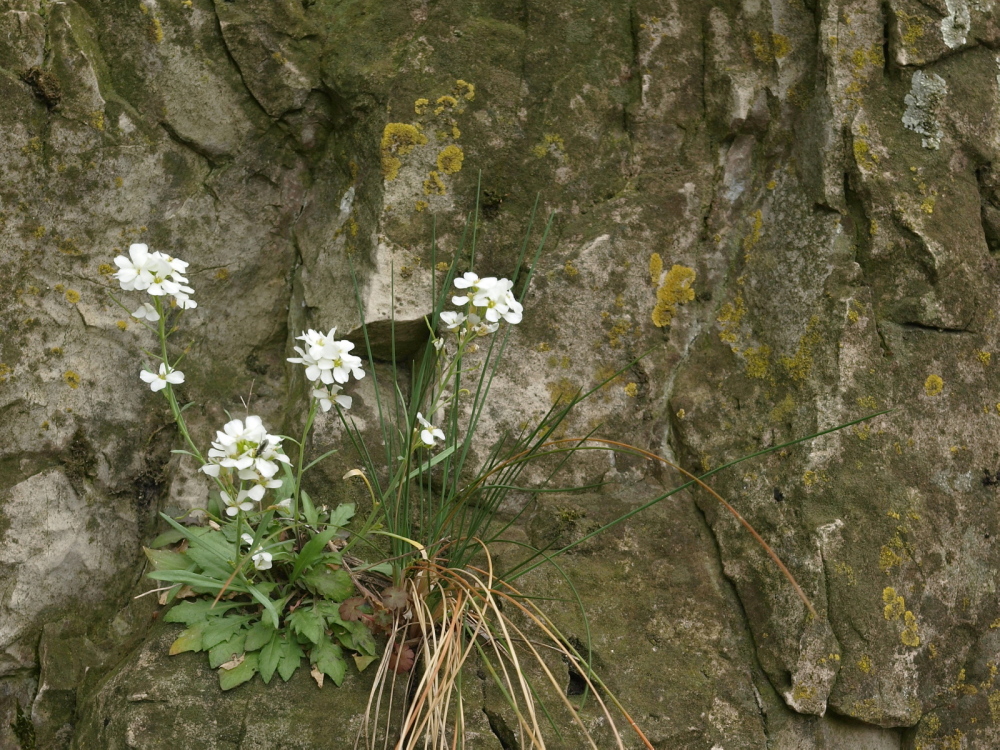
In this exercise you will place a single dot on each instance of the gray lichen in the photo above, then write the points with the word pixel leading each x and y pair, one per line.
pixel 927 91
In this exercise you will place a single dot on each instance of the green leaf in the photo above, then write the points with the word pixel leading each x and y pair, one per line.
pixel 308 509
pixel 257 592
pixel 362 639
pixel 194 579
pixel 438 458
pixel 291 657
pixel 189 640
pixel 270 655
pixel 221 629
pixel 193 612
pixel 329 659
pixel 259 635
pixel 165 560
pixel 230 678
pixel 172 536
pixel 335 585
pixel 307 622
pixel 227 650
pixel 342 514
pixel 362 662
pixel 311 552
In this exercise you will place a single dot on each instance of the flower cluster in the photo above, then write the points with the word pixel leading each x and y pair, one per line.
pixel 252 453
pixel 328 364
pixel 160 275
pixel 156 273
pixel 488 299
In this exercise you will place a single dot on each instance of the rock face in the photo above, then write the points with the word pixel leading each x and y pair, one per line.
pixel 792 206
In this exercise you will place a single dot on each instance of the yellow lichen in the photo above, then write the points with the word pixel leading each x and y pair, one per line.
pixel 72 296
pixel 868 402
pixel 863 155
pixel 72 379
pixel 782 46
pixel 927 206
pixel 221 274
pixel 800 365
pixel 562 390
pixel 761 47
pixel 758 361
pixel 676 290
pixel 730 315
pixel 32 146
pixel 468 88
pixel 655 269
pixel 434 185
pixel 155 31
pixel 984 357
pixel 570 270
pixel 551 143
pixel 5 372
pixel 933 385
pixel 122 325
pixel 772 184
pixel 681 414
pixel 865 664
pixel 420 206
pixel 784 409
pixel 631 389
pixel 420 105
pixel 450 159
pixel 895 605
pixel 848 572
pixel 753 236
pixel 909 636
pixel 445 102
pixel 398 139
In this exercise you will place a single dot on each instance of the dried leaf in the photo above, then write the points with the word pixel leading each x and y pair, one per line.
pixel 394 597
pixel 317 675
pixel 234 662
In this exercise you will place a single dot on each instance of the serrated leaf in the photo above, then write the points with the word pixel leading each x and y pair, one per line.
pixel 362 662
pixel 353 609
pixel 335 585
pixel 270 655
pixel 361 637
pixel 328 657
pixel 342 514
pixel 230 678
pixel 171 536
pixel 227 650
pixel 189 640
pixel 190 612
pixel 308 623
pixel 394 597
pixel 223 628
pixel 259 635
pixel 291 657
pixel 166 560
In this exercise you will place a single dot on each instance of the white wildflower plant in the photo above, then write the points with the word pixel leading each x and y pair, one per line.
pixel 275 578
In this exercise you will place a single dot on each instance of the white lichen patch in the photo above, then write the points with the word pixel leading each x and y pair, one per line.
pixel 956 25
pixel 927 91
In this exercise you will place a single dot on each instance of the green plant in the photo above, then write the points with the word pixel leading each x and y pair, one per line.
pixel 272 579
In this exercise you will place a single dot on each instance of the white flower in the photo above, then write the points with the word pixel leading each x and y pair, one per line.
pixel 474 284
pixel 133 272
pixel 247 538
pixel 211 469
pixel 256 492
pixel 326 359
pixel 286 503
pixel 157 382
pixel 478 327
pixel 146 312
pixel 235 505
pixel 430 432
pixel 262 560
pixel 327 396
pixel 452 319
pixel 498 301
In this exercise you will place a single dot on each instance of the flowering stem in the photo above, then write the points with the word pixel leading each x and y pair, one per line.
pixel 313 403
pixel 169 390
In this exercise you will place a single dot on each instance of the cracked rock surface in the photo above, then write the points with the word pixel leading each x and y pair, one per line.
pixel 792 206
